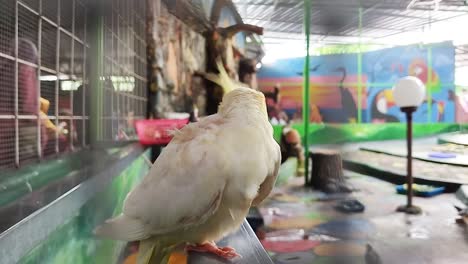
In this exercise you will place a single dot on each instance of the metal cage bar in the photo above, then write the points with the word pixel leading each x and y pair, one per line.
pixel 57 69
pixel 72 71
pixel 59 31
pixel 16 88
pixel 39 63
pixel 84 82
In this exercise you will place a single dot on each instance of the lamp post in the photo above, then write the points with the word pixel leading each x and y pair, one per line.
pixel 409 93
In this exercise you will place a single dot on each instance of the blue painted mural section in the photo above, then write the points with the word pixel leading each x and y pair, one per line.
pixel 325 65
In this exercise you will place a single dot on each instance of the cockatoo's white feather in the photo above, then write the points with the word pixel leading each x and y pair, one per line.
pixel 202 185
pixel 211 170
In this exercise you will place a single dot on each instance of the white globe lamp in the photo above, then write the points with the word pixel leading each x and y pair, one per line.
pixel 409 93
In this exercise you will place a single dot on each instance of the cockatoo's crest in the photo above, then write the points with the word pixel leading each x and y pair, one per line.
pixel 222 79
pixel 236 95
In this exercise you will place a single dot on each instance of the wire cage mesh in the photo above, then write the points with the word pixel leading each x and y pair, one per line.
pixel 45 84
pixel 124 79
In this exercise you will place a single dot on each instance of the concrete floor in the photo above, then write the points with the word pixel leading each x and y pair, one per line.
pixel 432 237
pixel 302 226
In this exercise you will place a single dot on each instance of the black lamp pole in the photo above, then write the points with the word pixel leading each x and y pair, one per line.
pixel 409 208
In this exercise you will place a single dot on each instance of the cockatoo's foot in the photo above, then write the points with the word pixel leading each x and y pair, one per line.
pixel 223 252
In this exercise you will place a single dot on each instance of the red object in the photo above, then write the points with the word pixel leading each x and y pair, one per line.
pixel 156 131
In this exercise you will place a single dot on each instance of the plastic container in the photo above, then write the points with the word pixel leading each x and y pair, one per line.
pixel 156 131
pixel 421 190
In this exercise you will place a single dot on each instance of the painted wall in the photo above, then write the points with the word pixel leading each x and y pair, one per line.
pixel 74 242
pixel 345 91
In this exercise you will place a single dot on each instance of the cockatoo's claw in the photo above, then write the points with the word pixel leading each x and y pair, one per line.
pixel 223 252
pixel 229 252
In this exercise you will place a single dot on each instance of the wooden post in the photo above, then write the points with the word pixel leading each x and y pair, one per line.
pixel 409 208
pixel 327 171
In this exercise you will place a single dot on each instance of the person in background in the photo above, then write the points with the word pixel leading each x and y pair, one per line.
pixel 275 95
pixel 275 113
pixel 29 104
pixel 28 101
pixel 248 73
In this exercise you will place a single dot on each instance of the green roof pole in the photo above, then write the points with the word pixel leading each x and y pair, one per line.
pixel 429 85
pixel 305 93
pixel 96 73
pixel 359 94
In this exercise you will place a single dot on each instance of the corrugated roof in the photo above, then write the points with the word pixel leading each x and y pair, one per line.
pixel 380 18
pixel 337 21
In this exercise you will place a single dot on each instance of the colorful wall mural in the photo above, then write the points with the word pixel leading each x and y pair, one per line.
pixel 345 91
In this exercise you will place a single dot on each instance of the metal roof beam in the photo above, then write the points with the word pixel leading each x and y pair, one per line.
pixel 321 25
pixel 272 21
pixel 386 13
pixel 457 9
pixel 287 5
pixel 382 28
pixel 426 23
pixel 386 6
pixel 339 4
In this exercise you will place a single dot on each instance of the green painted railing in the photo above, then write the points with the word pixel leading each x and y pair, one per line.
pixel 15 184
pixel 348 133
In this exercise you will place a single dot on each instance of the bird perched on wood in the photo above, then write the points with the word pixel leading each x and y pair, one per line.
pixel 204 182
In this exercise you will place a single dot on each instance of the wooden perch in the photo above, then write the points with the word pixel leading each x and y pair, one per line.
pixel 232 30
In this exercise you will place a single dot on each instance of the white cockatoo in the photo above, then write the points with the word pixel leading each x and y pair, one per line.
pixel 204 182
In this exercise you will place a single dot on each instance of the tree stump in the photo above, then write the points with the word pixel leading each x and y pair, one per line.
pixel 327 171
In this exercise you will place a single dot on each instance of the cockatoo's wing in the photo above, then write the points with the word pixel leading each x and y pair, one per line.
pixel 183 188
pixel 269 182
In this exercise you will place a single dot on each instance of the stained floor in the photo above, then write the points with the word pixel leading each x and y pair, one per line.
pixel 303 226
